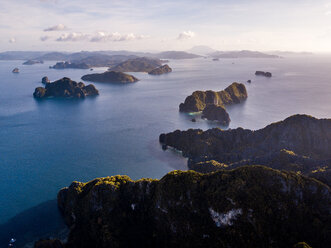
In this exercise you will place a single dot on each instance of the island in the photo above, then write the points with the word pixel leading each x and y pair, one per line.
pixel 160 70
pixel 65 88
pixel 143 64
pixel 69 65
pixel 32 62
pixel 300 143
pixel 217 113
pixel 235 93
pixel 262 73
pixel 110 77
pixel 45 80
pixel 15 70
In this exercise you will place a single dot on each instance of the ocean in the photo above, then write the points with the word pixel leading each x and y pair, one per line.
pixel 47 144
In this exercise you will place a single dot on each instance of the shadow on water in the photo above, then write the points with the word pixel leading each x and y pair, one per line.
pixel 173 158
pixel 63 100
pixel 41 221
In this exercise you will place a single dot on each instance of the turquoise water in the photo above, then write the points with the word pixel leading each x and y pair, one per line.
pixel 44 145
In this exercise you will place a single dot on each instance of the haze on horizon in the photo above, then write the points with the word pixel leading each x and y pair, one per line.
pixel 299 25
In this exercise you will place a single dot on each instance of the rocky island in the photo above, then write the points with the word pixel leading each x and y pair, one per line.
pixel 218 113
pixel 32 62
pixel 299 143
pixel 213 103
pixel 45 80
pixel 160 70
pixel 69 65
pixel 262 73
pixel 16 70
pixel 67 88
pixel 196 102
pixel 110 77
pixel 221 209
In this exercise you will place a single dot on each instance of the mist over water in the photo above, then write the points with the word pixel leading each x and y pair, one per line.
pixel 47 144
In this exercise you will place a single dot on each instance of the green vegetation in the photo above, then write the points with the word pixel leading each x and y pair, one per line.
pixel 252 206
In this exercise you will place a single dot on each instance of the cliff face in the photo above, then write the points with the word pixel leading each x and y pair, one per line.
pixel 299 143
pixel 214 112
pixel 196 102
pixel 246 207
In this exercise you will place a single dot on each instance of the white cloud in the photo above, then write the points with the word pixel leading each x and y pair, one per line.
pixel 104 37
pixel 12 40
pixel 73 37
pixel 59 27
pixel 44 38
pixel 185 35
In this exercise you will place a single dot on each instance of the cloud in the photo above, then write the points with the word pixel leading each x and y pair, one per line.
pixel 185 35
pixel 12 40
pixel 104 37
pixel 73 37
pixel 44 38
pixel 59 27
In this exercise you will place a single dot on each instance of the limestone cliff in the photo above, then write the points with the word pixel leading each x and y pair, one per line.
pixel 196 102
pixel 247 207
pixel 299 143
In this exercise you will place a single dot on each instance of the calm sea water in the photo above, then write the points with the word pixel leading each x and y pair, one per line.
pixel 45 145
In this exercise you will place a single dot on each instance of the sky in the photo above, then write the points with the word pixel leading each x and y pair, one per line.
pixel 154 25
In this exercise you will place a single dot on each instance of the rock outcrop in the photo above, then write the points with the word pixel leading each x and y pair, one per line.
pixel 16 70
pixel 45 80
pixel 300 143
pixel 196 102
pixel 65 87
pixel 160 70
pixel 262 73
pixel 218 113
pixel 110 77
pixel 247 207
pixel 69 65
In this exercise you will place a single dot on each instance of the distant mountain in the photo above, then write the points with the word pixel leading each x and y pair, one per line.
pixel 103 60
pixel 20 55
pixel 137 65
pixel 54 56
pixel 176 55
pixel 68 65
pixel 241 54
pixel 201 50
pixel 289 53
